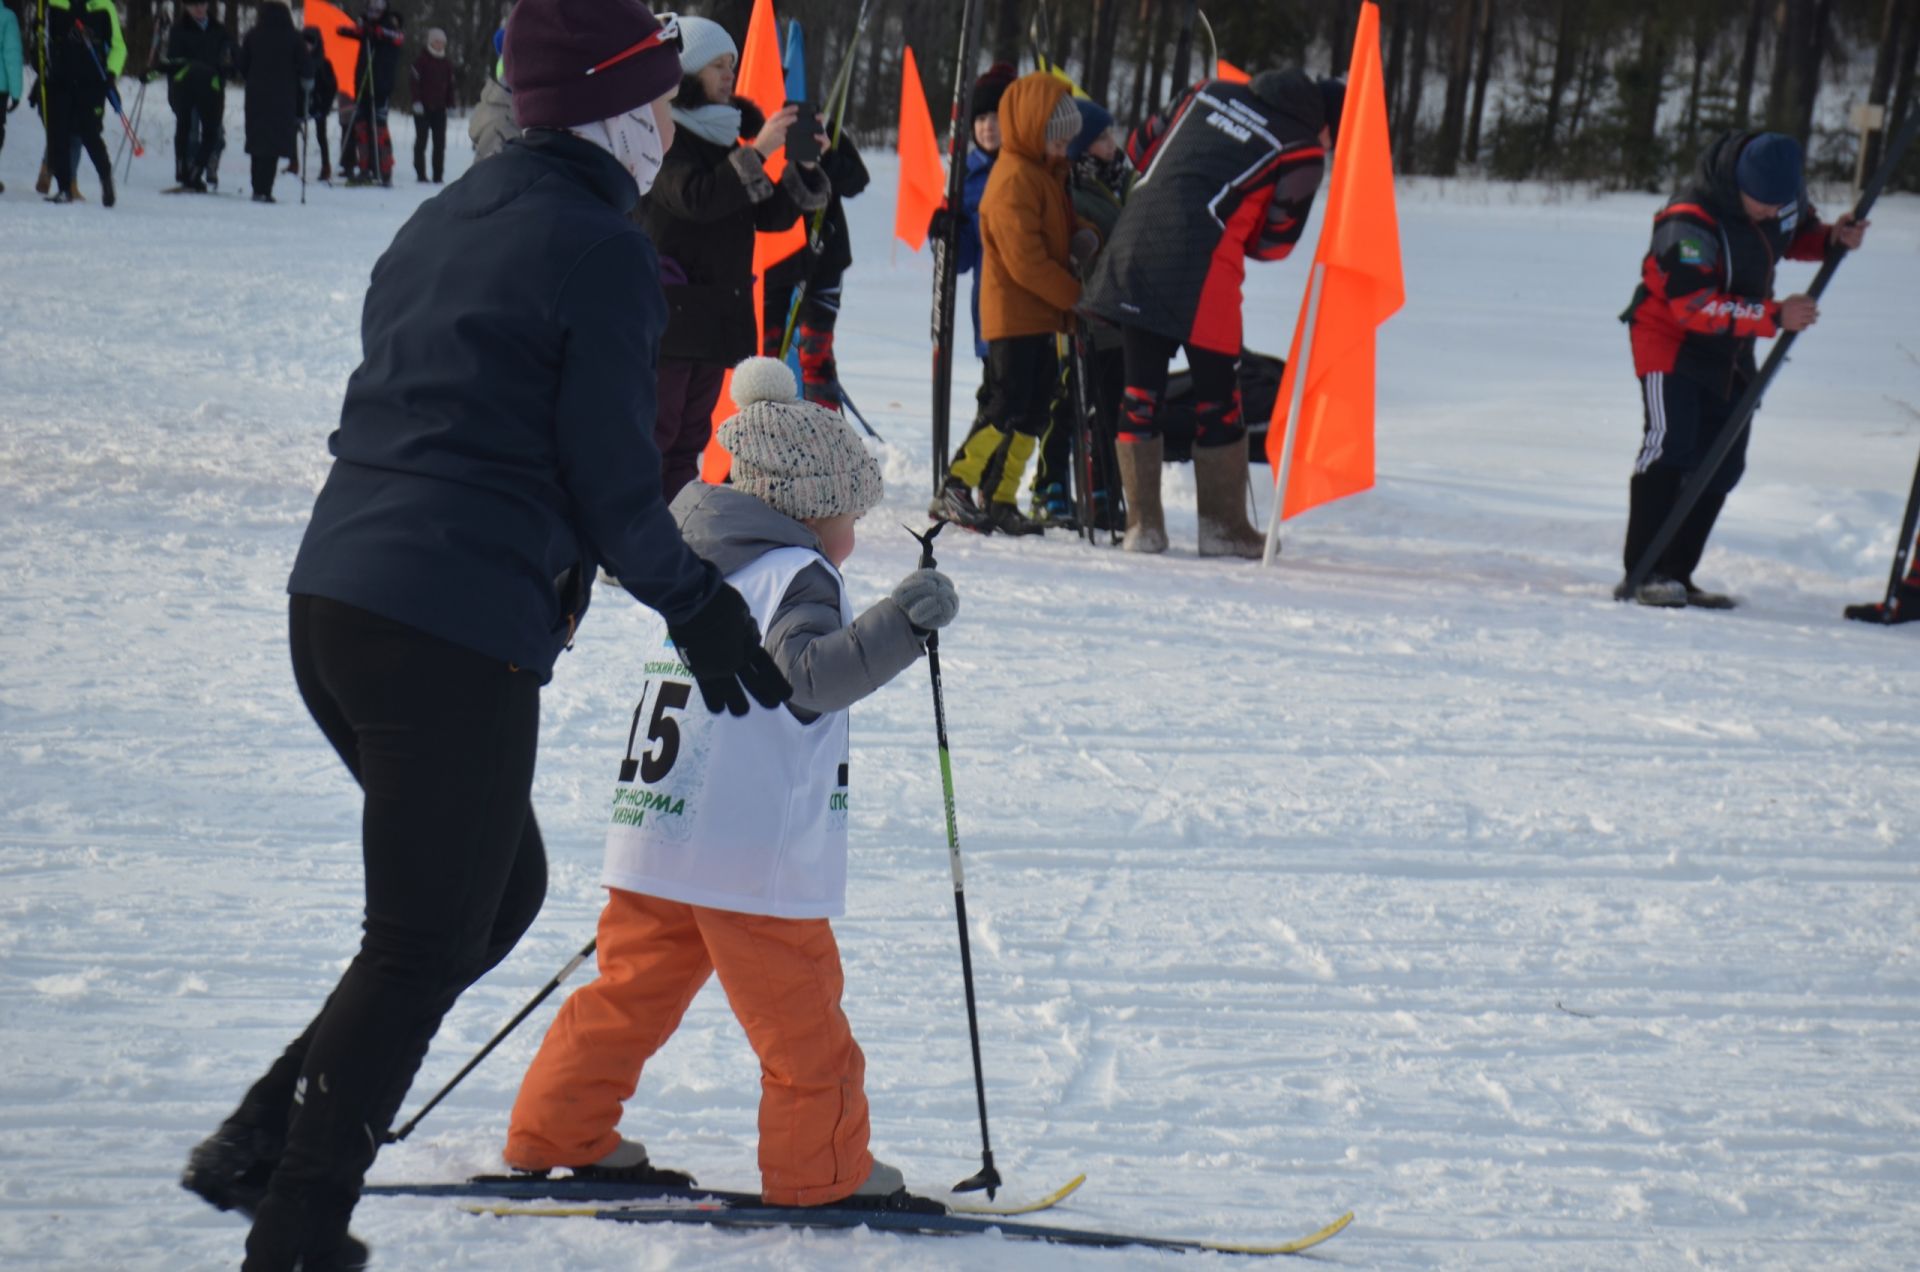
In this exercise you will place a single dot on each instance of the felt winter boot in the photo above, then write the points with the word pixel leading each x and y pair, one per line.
pixel 1220 488
pixel 43 182
pixel 1140 479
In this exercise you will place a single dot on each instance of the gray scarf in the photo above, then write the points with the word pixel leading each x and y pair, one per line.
pixel 712 122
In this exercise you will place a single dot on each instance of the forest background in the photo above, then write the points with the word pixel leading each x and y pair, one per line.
pixel 1617 93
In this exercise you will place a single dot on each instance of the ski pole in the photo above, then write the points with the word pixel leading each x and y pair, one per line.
pixel 586 952
pixel 854 411
pixel 113 94
pixel 306 98
pixel 946 246
pixel 987 1177
pixel 1888 611
pixel 1742 416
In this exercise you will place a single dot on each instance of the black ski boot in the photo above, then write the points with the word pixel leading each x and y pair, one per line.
pixel 289 1236
pixel 1008 519
pixel 230 1168
pixel 957 506
pixel 1699 598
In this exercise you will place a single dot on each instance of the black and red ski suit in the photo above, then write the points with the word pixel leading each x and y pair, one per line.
pixel 1230 172
pixel 1705 297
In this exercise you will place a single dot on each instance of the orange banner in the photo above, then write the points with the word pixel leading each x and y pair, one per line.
pixel 1227 71
pixel 923 179
pixel 341 52
pixel 763 81
pixel 1359 251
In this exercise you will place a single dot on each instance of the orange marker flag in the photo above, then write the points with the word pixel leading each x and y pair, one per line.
pixel 341 52
pixel 763 81
pixel 1223 69
pixel 1356 273
pixel 923 179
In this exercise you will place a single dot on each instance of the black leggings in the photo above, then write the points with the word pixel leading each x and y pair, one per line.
pixel 1216 389
pixel 441 740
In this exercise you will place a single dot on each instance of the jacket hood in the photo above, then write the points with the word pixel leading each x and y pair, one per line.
pixel 732 528
pixel 1023 114
pixel 1294 94
pixel 1716 174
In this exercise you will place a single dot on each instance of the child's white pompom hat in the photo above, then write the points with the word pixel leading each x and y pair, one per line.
pixel 803 459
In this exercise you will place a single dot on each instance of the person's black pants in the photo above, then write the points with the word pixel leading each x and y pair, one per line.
pixel 1682 419
pixel 196 130
pixel 1216 389
pixel 265 168
pixel 76 119
pixel 441 740
pixel 432 122
pixel 1105 373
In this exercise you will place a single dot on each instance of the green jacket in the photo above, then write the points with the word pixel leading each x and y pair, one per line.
pixel 59 16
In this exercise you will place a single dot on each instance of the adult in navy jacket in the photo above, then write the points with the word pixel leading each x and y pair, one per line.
pixel 492 451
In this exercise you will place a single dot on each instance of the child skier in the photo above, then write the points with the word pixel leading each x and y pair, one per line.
pixel 728 850
pixel 1027 291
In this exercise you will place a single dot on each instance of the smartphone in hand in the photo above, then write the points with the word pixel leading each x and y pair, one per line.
pixel 803 141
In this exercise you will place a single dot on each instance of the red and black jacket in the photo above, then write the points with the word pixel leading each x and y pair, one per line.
pixel 1706 285
pixel 1229 172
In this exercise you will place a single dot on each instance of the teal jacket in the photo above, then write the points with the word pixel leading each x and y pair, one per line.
pixel 12 81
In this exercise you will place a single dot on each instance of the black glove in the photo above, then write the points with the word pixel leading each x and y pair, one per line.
pixel 942 223
pixel 721 646
pixel 6 103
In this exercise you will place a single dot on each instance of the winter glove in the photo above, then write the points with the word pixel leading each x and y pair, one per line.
pixel 721 646
pixel 941 225
pixel 6 103
pixel 1082 248
pixel 929 600
pixel 418 109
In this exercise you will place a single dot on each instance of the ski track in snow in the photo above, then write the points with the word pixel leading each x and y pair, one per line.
pixel 1415 876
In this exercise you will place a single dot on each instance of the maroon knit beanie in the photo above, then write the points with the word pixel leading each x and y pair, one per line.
pixel 551 46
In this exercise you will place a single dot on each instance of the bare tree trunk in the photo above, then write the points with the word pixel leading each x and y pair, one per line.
pixel 1416 85
pixel 1009 31
pixel 1749 62
pixel 1820 27
pixel 1903 78
pixel 1453 116
pixel 1566 51
pixel 1489 15
pixel 1644 87
pixel 1592 68
pixel 1792 20
pixel 1162 31
pixel 1141 26
pixel 1396 58
pixel 1702 47
pixel 1106 31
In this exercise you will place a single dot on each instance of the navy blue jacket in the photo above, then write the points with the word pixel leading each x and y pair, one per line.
pixel 496 443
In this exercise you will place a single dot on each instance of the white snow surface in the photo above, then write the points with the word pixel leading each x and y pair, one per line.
pixel 1414 876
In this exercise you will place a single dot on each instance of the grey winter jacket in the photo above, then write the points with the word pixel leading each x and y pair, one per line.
pixel 492 126
pixel 830 666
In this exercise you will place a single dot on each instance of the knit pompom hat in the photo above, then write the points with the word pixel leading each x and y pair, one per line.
pixel 803 459
pixel 573 62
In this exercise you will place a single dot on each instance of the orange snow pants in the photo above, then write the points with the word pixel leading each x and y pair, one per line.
pixel 782 978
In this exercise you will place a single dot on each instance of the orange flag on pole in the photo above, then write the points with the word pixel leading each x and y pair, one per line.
pixel 341 52
pixel 1321 439
pixel 1223 69
pixel 923 179
pixel 763 81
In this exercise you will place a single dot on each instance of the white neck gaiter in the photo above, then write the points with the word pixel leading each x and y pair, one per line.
pixel 633 139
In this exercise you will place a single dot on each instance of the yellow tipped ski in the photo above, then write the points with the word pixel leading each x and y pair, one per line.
pixel 1047 1202
pixel 1289 1247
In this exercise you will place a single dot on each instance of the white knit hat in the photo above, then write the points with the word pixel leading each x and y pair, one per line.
pixel 803 459
pixel 702 40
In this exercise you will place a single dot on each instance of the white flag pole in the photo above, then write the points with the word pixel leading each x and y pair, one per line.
pixel 1314 285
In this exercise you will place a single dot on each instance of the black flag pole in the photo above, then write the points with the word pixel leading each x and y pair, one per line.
pixel 1742 416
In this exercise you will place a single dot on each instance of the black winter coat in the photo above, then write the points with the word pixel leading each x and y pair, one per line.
pixel 848 173
pixel 702 213
pixel 1229 173
pixel 325 83
pixel 381 38
pixel 197 58
pixel 496 442
pixel 273 61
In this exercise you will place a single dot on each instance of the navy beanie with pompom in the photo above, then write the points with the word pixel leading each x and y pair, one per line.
pixel 1768 169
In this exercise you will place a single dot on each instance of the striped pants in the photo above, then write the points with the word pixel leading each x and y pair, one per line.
pixel 1683 418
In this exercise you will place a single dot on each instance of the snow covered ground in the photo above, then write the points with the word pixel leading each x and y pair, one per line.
pixel 1415 876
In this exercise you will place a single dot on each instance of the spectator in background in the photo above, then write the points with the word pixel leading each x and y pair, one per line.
pixel 198 59
pixel 491 125
pixel 12 74
pixel 984 105
pixel 319 102
pixel 431 80
pixel 279 76
pixel 820 266
pixel 379 37
pixel 83 53
pixel 712 195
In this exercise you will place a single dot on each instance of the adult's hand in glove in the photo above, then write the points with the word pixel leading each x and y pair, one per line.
pixel 941 224
pixel 721 646
pixel 929 600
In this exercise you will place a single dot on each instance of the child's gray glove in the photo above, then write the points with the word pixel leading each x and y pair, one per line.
pixel 929 600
